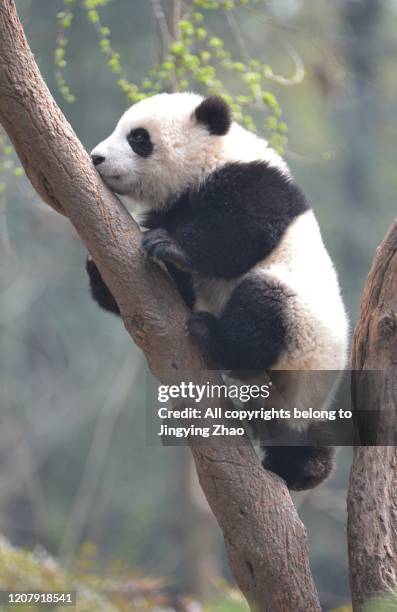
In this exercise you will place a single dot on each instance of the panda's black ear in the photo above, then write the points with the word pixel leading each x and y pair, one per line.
pixel 215 114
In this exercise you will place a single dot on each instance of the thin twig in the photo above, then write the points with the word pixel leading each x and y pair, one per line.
pixel 176 17
pixel 160 17
pixel 165 33
pixel 276 78
pixel 235 29
pixel 299 69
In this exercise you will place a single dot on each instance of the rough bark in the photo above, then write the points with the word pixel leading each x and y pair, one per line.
pixel 372 499
pixel 265 539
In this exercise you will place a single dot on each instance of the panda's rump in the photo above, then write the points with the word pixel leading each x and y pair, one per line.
pixel 318 324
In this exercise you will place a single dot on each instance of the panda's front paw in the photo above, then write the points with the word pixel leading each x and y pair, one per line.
pixel 159 244
pixel 154 241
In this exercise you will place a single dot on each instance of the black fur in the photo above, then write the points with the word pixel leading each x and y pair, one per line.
pixel 251 332
pixel 302 467
pixel 215 114
pixel 105 299
pixel 97 160
pixel 140 143
pixel 159 244
pixel 99 290
pixel 184 283
pixel 233 220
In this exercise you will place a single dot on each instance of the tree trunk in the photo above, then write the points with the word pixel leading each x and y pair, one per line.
pixel 265 540
pixel 372 499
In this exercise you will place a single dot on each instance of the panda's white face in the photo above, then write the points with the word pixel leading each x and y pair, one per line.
pixel 161 147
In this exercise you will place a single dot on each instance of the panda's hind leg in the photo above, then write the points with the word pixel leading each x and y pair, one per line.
pixel 99 290
pixel 250 333
pixel 302 467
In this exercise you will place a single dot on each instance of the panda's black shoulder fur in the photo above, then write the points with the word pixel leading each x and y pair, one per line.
pixel 235 218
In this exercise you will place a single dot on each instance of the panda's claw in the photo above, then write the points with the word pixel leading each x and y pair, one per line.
pixel 158 244
pixel 153 239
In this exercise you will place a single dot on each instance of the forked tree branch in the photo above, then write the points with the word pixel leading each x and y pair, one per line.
pixel 265 539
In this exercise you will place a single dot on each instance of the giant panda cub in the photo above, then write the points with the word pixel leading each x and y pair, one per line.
pixel 237 235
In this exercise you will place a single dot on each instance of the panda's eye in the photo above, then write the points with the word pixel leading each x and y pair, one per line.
pixel 140 143
pixel 139 135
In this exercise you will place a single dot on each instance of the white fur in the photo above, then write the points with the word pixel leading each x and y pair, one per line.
pixel 319 327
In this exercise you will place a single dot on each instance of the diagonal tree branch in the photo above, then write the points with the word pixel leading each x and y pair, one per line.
pixel 265 539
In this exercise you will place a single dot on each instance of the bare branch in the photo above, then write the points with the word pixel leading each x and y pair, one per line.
pixel 299 73
pixel 161 19
pixel 235 29
pixel 265 539
pixel 165 35
pixel 177 16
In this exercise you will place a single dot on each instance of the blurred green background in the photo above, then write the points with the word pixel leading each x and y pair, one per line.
pixel 74 466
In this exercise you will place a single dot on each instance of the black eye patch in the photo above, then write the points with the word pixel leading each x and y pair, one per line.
pixel 140 143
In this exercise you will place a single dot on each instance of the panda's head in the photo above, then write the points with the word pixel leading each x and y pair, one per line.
pixel 163 145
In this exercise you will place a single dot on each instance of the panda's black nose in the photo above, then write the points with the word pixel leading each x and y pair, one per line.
pixel 97 159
